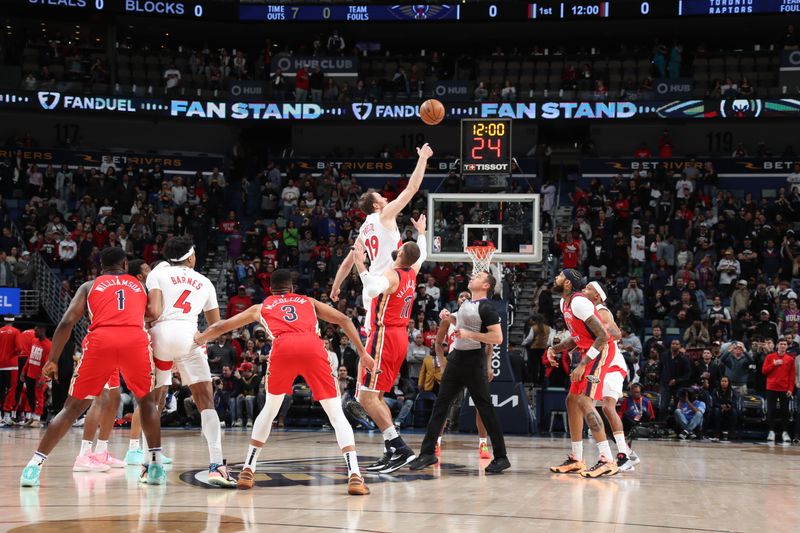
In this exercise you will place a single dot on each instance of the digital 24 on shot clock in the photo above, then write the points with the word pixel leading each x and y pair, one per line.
pixel 431 112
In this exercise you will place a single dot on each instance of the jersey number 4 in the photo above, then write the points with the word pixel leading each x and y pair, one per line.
pixel 182 304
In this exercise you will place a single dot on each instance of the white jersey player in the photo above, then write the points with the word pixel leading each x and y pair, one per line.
pixel 176 296
pixel 379 232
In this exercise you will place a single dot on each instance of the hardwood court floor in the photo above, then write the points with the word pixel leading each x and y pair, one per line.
pixel 678 487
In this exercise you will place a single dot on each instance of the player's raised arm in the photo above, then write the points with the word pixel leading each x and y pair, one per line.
pixel 421 225
pixel 393 208
pixel 333 316
pixel 75 311
pixel 220 327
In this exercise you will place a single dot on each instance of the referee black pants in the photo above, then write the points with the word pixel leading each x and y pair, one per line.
pixel 465 368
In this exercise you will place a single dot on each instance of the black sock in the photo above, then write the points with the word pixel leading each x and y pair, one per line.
pixel 397 443
pixel 387 448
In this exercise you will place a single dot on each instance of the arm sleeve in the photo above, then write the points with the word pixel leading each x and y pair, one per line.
pixel 423 249
pixel 153 281
pixel 582 308
pixel 374 285
pixel 489 315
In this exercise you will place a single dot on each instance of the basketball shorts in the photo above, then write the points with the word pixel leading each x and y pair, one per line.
pixel 301 354
pixel 389 347
pixel 173 345
pixel 107 351
pixel 591 384
pixel 612 385
pixel 113 381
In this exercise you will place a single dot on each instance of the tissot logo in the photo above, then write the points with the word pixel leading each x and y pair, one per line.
pixel 362 111
pixel 49 100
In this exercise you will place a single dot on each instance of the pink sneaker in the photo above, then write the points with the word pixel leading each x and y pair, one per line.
pixel 108 459
pixel 88 463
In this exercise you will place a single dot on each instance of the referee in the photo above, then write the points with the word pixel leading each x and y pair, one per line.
pixel 468 366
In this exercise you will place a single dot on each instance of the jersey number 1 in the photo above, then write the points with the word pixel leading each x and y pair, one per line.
pixel 405 312
pixel 120 300
pixel 182 304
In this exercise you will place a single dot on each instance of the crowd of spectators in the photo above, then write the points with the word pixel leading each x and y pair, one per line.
pixel 704 286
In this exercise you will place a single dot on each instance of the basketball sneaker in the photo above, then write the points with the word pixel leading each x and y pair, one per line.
pixel 247 478
pixel 634 457
pixel 423 461
pixel 219 476
pixel 165 460
pixel 401 458
pixel 88 463
pixel 570 466
pixel 108 459
pixel 771 436
pixel 604 467
pixel 156 475
pixel 380 464
pixel 356 486
pixel 624 463
pixel 135 457
pixel 785 438
pixel 483 451
pixel 30 476
pixel 35 423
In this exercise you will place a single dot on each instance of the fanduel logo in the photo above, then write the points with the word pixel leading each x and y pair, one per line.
pixel 362 111
pixel 49 100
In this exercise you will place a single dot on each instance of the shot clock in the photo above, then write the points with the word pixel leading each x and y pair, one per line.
pixel 485 146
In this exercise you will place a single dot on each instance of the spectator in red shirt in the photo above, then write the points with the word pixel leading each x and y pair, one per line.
pixel 441 272
pixel 302 85
pixel 429 335
pixel 321 252
pixel 779 369
pixel 238 302
pixel 665 149
pixel 229 225
pixel 270 253
pixel 100 235
pixel 643 151
pixel 570 250
pixel 40 350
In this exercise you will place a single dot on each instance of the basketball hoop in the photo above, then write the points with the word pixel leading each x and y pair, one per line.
pixel 481 257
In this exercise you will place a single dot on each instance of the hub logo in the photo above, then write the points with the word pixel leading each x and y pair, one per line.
pixel 362 111
pixel 49 100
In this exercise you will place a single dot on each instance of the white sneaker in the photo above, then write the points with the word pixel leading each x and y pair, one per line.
pixel 634 457
pixel 237 424
pixel 249 423
pixel 771 436
pixel 785 438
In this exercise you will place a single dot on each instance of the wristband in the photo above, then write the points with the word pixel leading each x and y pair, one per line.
pixel 592 352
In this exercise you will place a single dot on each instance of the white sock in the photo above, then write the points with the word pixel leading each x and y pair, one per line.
pixel 252 457
pixel 86 448
pixel 102 447
pixel 209 420
pixel 622 446
pixel 483 440
pixel 133 444
pixel 155 455
pixel 577 450
pixel 604 449
pixel 352 463
pixel 390 433
pixel 35 416
pixel 439 440
pixel 37 459
pixel 144 441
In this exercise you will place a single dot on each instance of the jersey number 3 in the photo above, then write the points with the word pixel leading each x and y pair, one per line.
pixel 182 304
pixel 289 313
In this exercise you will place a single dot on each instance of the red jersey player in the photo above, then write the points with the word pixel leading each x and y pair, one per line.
pixel 40 350
pixel 116 303
pixel 8 362
pixel 392 295
pixel 292 321
pixel 598 350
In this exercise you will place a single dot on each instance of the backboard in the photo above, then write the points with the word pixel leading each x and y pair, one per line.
pixel 508 221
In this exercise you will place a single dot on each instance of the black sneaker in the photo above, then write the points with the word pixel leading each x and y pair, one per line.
pixel 497 465
pixel 401 458
pixel 423 461
pixel 624 463
pixel 380 464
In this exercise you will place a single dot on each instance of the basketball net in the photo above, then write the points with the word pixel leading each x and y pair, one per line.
pixel 481 258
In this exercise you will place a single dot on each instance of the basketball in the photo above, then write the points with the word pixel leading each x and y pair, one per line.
pixel 431 112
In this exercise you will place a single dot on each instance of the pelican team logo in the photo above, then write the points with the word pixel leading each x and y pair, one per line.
pixel 422 11
pixel 319 471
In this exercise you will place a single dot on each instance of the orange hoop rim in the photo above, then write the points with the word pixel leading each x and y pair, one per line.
pixel 480 252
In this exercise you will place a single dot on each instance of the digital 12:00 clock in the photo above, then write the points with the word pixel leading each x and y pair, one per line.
pixel 485 146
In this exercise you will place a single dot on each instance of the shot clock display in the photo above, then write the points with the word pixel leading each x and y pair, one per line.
pixel 485 146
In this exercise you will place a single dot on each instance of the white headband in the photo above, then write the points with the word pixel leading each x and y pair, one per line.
pixel 185 256
pixel 599 290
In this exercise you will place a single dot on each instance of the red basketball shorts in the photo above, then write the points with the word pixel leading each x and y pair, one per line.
pixel 304 355
pixel 106 350
pixel 388 346
pixel 591 384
